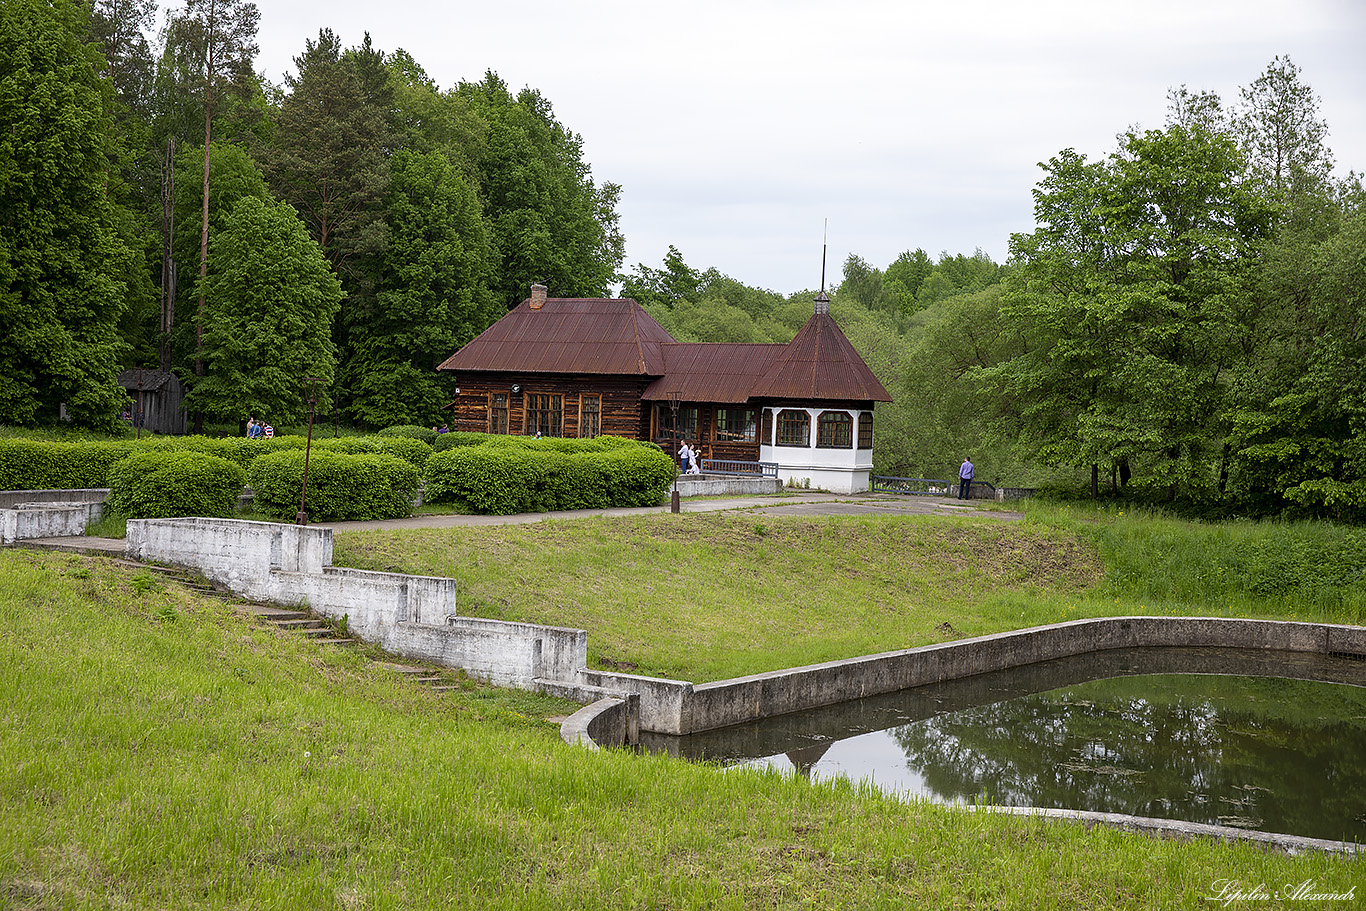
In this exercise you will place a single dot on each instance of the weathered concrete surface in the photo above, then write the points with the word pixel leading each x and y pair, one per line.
pixel 48 519
pixel 414 616
pixel 727 486
pixel 1175 828
pixel 678 707
pixel 611 721
pixel 9 499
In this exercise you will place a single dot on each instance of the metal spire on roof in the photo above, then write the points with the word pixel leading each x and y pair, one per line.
pixel 823 302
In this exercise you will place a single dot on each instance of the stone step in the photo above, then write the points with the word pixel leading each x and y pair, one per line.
pixel 431 679
pixel 335 641
pixel 403 668
pixel 297 623
pixel 266 612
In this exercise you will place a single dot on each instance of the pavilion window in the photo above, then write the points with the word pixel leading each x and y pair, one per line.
pixel 834 430
pixel 498 412
pixel 794 428
pixel 544 414
pixel 865 430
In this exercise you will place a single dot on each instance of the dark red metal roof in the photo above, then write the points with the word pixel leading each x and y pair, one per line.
pixel 710 372
pixel 569 335
pixel 614 336
pixel 820 365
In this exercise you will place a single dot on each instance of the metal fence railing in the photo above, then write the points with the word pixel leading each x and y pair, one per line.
pixel 933 487
pixel 938 487
pixel 742 469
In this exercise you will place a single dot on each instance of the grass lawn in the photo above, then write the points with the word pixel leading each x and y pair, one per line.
pixel 708 596
pixel 161 751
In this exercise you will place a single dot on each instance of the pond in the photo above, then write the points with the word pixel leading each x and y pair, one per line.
pixel 1266 740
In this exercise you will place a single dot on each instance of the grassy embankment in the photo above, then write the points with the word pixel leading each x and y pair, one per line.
pixel 161 752
pixel 707 596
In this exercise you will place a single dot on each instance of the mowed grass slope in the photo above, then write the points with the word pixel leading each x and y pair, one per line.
pixel 708 596
pixel 160 751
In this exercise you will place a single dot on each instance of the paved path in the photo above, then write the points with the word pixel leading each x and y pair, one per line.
pixel 800 504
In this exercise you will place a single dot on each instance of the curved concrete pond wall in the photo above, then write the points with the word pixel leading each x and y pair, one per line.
pixel 679 707
pixel 690 708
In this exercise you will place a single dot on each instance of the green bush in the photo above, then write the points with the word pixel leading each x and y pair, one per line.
pixel 340 486
pixel 412 432
pixel 408 449
pixel 51 465
pixel 455 439
pixel 239 450
pixel 160 485
pixel 509 475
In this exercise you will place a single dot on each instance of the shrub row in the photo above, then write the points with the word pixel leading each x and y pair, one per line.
pixel 411 431
pixel 349 477
pixel 340 486
pixel 160 485
pixel 49 465
pixel 509 475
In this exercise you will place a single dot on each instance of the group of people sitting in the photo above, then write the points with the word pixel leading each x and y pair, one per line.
pixel 257 430
pixel 690 459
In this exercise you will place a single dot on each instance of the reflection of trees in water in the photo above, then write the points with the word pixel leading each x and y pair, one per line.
pixel 1205 750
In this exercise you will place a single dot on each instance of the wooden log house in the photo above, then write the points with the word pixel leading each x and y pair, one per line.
pixel 580 367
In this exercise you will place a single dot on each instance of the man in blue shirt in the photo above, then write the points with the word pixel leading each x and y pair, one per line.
pixel 965 480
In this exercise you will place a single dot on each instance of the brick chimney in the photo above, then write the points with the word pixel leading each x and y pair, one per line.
pixel 537 296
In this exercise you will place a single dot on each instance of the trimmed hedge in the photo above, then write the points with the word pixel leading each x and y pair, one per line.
pixel 409 450
pixel 163 485
pixel 49 465
pixel 239 450
pixel 412 432
pixel 340 486
pixel 455 439
pixel 27 464
pixel 510 474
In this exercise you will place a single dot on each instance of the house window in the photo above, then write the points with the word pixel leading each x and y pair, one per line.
pixel 736 425
pixel 498 412
pixel 544 414
pixel 794 428
pixel 687 422
pixel 865 430
pixel 590 416
pixel 768 427
pixel 834 430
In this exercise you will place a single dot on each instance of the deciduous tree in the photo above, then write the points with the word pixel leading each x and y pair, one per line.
pixel 270 297
pixel 62 259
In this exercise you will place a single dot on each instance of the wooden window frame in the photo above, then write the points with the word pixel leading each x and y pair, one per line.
pixel 547 407
pixel 834 430
pixel 786 425
pixel 494 411
pixel 725 427
pixel 865 430
pixel 596 412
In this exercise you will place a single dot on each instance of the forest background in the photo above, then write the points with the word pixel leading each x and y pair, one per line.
pixel 1184 325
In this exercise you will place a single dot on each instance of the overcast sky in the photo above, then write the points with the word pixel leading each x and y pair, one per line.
pixel 737 128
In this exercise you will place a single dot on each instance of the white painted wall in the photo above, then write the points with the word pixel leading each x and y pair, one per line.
pixel 835 470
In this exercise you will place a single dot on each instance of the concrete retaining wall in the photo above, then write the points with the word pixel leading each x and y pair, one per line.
pixel 678 707
pixel 9 499
pixel 612 721
pixel 414 616
pixel 726 486
pixel 47 520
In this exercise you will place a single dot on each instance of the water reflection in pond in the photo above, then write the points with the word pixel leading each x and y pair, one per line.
pixel 1263 740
